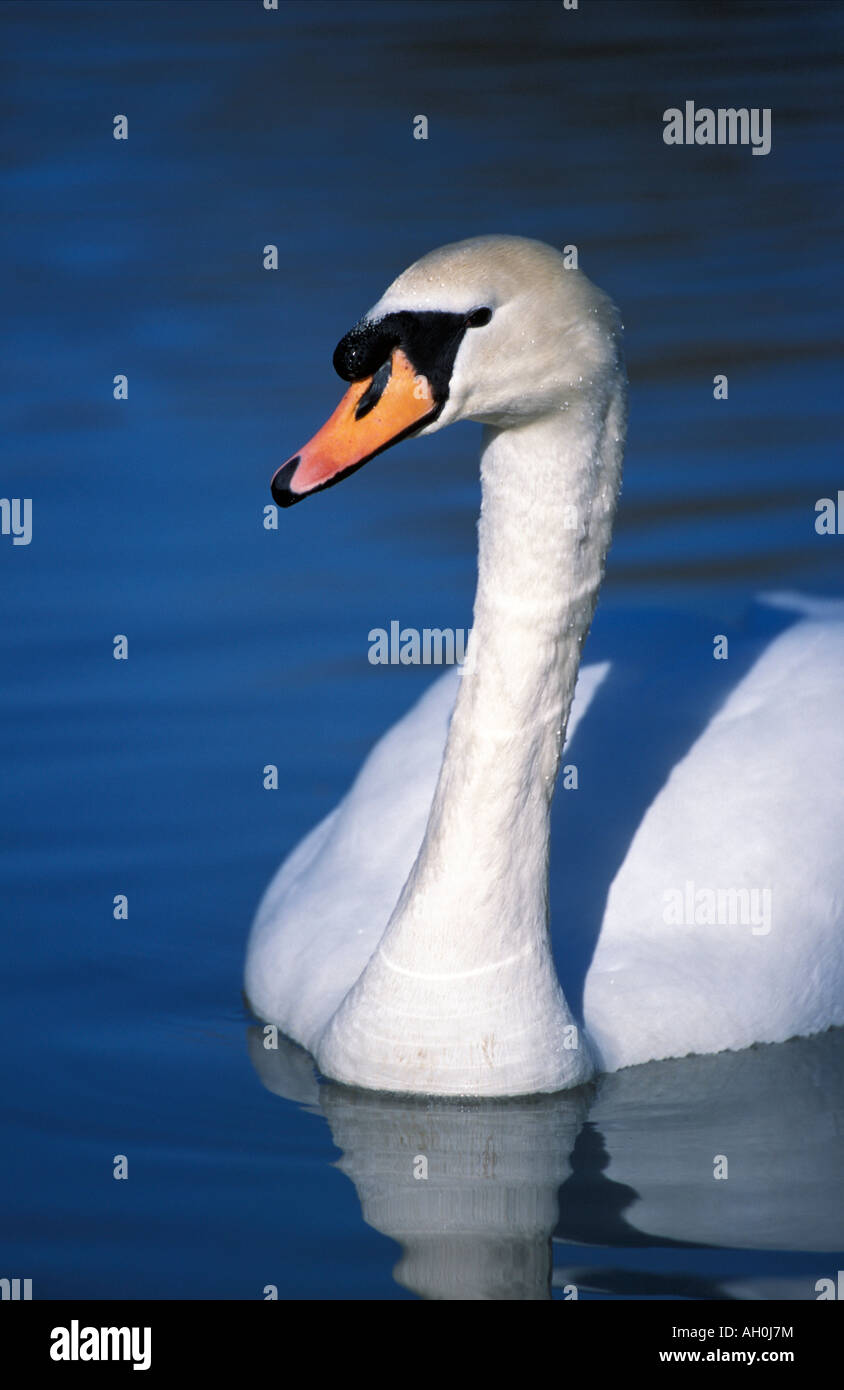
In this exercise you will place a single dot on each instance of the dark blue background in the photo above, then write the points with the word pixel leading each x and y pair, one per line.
pixel 249 647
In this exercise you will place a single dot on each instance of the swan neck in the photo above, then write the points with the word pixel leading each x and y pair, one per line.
pixel 549 491
pixel 464 967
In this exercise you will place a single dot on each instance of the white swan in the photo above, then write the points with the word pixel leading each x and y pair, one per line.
pixel 504 1176
pixel 405 942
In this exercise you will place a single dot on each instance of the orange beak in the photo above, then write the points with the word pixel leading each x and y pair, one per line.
pixel 372 415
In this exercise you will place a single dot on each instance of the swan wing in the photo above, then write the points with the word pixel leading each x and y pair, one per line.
pixel 748 813
pixel 326 908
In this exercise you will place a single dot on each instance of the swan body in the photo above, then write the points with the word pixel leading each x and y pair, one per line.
pixel 405 942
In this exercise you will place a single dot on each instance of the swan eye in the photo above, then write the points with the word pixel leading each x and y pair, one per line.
pixel 479 318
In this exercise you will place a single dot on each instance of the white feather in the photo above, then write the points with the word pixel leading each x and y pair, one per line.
pixel 405 942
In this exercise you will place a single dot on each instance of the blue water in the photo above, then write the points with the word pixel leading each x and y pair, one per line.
pixel 249 647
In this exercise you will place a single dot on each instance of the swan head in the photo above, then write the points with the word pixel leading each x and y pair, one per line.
pixel 495 329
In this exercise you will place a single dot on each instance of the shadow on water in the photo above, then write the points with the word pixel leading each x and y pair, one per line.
pixel 627 1163
pixel 661 692
pixel 592 1206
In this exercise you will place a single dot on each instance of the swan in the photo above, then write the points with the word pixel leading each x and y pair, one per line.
pixel 405 941
pixel 626 1164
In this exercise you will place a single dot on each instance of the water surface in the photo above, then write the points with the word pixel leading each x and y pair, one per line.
pixel 143 777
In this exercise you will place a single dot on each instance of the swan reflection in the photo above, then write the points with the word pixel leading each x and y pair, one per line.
pixel 478 1194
